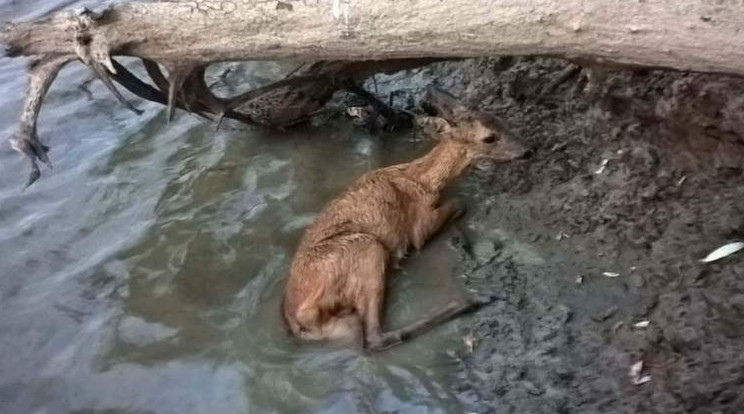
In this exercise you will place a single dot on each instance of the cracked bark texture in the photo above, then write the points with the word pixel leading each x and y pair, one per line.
pixel 686 34
pixel 184 36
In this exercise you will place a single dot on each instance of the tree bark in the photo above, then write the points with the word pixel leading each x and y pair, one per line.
pixel 685 34
pixel 184 36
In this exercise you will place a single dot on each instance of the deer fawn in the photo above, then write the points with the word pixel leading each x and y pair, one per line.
pixel 336 286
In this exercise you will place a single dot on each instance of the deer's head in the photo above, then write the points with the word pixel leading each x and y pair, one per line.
pixel 481 133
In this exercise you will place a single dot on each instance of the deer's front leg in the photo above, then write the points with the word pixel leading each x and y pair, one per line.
pixel 398 336
pixel 432 220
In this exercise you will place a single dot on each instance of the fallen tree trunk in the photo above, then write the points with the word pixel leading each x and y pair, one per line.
pixel 185 36
pixel 686 34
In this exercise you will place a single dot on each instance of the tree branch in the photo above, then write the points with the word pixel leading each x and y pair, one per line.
pixel 349 41
pixel 41 74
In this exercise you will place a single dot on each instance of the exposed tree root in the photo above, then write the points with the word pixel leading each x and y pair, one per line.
pixel 277 105
pixel 26 141
pixel 281 104
pixel 185 36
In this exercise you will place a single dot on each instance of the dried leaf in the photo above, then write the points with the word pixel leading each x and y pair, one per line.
pixel 635 369
pixel 642 380
pixel 610 274
pixel 635 374
pixel 723 251
pixel 469 341
pixel 602 166
pixel 641 324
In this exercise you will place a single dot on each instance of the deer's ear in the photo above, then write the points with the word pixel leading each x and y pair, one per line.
pixel 434 126
pixel 437 102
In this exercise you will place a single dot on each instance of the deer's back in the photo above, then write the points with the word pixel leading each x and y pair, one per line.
pixel 381 203
pixel 376 212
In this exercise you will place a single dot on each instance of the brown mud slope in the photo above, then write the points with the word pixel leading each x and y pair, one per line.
pixel 671 190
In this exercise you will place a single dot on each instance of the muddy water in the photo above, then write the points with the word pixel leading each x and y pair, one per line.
pixel 144 273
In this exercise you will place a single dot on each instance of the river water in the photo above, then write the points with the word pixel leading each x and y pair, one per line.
pixel 143 274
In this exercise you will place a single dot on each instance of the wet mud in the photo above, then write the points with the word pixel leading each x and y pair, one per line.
pixel 592 248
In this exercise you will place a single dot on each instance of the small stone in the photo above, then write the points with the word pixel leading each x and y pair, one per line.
pixel 484 251
pixel 135 330
pixel 532 388
pixel 514 375
pixel 637 280
pixel 607 314
pixel 123 291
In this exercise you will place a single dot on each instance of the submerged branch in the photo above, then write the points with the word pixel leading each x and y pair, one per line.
pixel 41 74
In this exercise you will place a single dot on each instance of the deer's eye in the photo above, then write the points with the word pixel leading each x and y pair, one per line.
pixel 489 139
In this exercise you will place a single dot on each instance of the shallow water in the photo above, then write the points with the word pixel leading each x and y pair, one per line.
pixel 144 273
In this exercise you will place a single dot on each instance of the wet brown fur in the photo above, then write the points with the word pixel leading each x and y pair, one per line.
pixel 336 286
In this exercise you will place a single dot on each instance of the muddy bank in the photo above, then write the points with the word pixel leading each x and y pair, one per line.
pixel 635 173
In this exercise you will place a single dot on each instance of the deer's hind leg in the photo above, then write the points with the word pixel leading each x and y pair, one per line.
pixel 366 285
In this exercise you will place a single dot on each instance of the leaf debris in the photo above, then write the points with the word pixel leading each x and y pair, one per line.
pixel 635 374
pixel 723 251
pixel 602 166
pixel 470 342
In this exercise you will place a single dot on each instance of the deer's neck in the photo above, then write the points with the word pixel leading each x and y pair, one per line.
pixel 441 165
